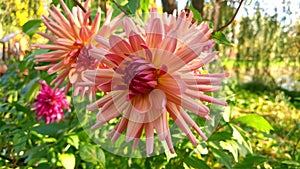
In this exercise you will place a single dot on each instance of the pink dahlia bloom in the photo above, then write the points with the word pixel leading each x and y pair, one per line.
pixel 50 104
pixel 72 37
pixel 155 75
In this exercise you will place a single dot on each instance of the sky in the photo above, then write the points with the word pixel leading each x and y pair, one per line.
pixel 267 5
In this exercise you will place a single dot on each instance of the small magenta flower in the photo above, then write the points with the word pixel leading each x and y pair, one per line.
pixel 155 75
pixel 50 104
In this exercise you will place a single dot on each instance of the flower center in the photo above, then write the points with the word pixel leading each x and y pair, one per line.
pixel 85 61
pixel 140 76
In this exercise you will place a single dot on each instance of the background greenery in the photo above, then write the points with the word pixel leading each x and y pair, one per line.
pixel 259 129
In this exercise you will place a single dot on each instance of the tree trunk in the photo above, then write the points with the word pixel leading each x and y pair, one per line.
pixel 198 5
pixel 169 5
pixel 216 14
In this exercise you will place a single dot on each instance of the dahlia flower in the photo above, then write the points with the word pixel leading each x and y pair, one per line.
pixel 155 74
pixel 50 104
pixel 72 38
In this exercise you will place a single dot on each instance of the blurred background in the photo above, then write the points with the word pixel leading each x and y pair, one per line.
pixel 260 128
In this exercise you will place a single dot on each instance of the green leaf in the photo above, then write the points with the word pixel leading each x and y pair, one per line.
pixel 220 136
pixel 19 141
pixel 31 27
pixel 70 4
pixel 73 140
pixel 133 5
pixel 220 38
pixel 256 121
pixel 93 154
pixel 222 157
pixel 144 4
pixel 196 13
pixel 67 160
pixel 232 147
pixel 31 89
pixel 250 162
pixel 50 129
pixel 195 162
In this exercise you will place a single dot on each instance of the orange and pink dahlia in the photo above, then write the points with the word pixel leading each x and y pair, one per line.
pixel 154 75
pixel 72 37
pixel 50 104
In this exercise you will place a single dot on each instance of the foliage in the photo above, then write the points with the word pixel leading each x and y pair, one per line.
pixel 257 129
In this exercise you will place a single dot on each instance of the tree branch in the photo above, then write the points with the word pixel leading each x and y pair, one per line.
pixel 120 7
pixel 83 9
pixel 232 19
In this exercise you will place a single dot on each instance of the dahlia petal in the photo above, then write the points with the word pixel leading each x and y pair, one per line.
pixel 188 103
pixel 51 38
pixel 51 47
pixel 141 103
pixel 169 43
pixel 204 88
pixel 154 33
pixel 137 138
pixel 203 97
pixel 105 74
pixel 202 80
pixel 192 123
pixel 73 76
pixel 132 130
pixel 60 24
pixel 66 9
pixel 119 46
pixel 100 103
pixel 54 54
pixel 175 114
pixel 57 67
pixel 108 112
pixel 171 84
pixel 97 20
pixel 99 54
pixel 136 41
pixel 129 26
pixel 55 30
pixel 114 58
pixel 158 99
pixel 63 21
pixel 102 41
pixel 43 67
pixel 122 124
pixel 149 131
pixel 161 126
pixel 169 142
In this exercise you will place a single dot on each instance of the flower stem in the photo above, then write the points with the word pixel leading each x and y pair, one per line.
pixel 232 19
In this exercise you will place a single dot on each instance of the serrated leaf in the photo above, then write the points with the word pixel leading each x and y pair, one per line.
pixel 93 154
pixel 67 160
pixel 255 121
pixel 220 38
pixel 31 27
pixel 232 147
pixel 222 157
pixel 244 142
pixel 250 162
pixel 195 162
